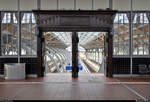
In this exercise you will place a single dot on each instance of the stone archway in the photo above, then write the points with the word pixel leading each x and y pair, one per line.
pixel 74 21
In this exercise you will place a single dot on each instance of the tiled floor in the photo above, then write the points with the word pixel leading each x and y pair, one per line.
pixel 63 87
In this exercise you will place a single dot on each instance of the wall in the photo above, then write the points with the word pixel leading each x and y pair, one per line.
pixel 80 4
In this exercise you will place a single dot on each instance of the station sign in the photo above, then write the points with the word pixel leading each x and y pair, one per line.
pixel 69 67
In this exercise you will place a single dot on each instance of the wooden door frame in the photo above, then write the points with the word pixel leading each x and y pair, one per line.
pixel 76 21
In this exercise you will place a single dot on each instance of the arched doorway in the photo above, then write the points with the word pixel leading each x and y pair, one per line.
pixel 76 21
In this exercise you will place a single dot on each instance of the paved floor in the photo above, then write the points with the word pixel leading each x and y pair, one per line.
pixel 86 87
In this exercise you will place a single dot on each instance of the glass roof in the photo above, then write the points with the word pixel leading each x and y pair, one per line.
pixel 84 37
pixel 80 48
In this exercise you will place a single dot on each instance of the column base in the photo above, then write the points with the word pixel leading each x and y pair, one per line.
pixel 75 75
pixel 109 75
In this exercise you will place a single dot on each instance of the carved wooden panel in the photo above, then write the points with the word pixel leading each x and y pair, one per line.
pixel 75 20
pixel 102 20
pixel 47 20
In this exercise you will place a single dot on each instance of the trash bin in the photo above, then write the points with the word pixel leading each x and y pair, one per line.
pixel 15 71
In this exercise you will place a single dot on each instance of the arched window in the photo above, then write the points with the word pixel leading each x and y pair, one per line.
pixel 9 33
pixel 28 18
pixel 9 18
pixel 121 34
pixel 28 34
pixel 140 34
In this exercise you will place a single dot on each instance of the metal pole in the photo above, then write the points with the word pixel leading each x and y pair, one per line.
pixel 74 4
pixel 19 32
pixel 38 4
pixel 57 4
pixel 110 4
pixel 92 4
pixel 131 44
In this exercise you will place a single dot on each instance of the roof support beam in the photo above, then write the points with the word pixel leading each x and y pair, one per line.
pixel 110 4
pixel 38 4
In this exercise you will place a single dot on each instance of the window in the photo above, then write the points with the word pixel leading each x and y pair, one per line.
pixel 28 34
pixel 9 34
pixel 140 34
pixel 121 34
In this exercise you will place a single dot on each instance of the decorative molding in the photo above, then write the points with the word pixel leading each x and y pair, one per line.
pixel 47 20
pixel 75 20
pixel 101 20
